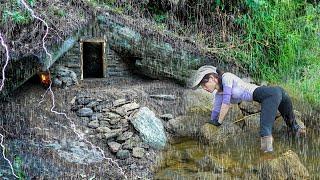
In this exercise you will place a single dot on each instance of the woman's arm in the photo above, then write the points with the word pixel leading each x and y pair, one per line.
pixel 225 103
pixel 223 112
pixel 216 106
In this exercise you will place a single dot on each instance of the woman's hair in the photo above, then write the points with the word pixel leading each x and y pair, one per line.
pixel 217 75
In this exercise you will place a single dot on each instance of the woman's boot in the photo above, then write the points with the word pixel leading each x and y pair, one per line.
pixel 266 143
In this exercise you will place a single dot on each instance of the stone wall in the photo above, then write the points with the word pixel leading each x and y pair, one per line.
pixel 116 65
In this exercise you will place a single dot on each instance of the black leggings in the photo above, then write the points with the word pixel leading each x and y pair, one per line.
pixel 271 100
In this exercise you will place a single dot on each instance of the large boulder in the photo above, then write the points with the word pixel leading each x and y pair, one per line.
pixel 250 107
pixel 185 126
pixel 150 128
pixel 286 166
pixel 212 135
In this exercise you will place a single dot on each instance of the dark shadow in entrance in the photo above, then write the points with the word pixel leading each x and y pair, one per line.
pixel 92 60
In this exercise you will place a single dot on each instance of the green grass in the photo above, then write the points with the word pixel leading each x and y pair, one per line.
pixel 282 44
pixel 12 12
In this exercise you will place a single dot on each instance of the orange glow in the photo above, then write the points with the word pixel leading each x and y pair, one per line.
pixel 45 78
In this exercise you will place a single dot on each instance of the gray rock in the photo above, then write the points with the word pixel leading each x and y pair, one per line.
pixel 84 100
pixel 150 128
pixel 123 154
pixel 164 97
pixel 96 116
pixel 93 124
pixel 92 104
pixel 64 75
pixel 121 111
pixel 67 81
pixel 114 146
pixel 85 112
pixel 130 107
pixel 111 115
pixel 126 135
pixel 138 152
pixel 166 116
pixel 119 102
pixel 104 124
pixel 114 121
pixel 103 129
pixel 112 134
pixel 76 152
pixel 103 106
pixel 57 82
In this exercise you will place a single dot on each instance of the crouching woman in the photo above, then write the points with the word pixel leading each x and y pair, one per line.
pixel 231 89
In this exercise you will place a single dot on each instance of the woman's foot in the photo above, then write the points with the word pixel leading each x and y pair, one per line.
pixel 266 143
pixel 298 128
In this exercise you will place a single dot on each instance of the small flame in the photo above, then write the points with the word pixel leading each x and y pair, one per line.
pixel 45 78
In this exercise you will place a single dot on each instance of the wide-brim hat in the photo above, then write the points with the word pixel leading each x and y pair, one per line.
pixel 200 73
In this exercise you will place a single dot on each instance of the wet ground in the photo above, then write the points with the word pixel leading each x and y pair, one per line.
pixel 239 155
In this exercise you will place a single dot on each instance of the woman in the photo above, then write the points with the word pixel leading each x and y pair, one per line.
pixel 231 89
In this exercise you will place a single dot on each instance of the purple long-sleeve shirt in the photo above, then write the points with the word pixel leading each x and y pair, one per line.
pixel 235 90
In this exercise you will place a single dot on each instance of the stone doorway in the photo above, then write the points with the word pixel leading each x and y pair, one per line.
pixel 93 58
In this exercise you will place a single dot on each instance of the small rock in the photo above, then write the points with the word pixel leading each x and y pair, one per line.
pixel 166 116
pixel 93 124
pixel 130 107
pixel 111 115
pixel 92 104
pixel 114 146
pixel 132 142
pixel 121 111
pixel 103 129
pixel 73 100
pixel 119 102
pixel 164 97
pixel 114 121
pixel 138 152
pixel 96 116
pixel 126 135
pixel 102 106
pixel 85 112
pixel 123 154
pixel 84 100
pixel 112 134
pixel 104 123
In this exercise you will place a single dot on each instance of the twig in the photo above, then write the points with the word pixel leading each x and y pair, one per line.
pixel 245 117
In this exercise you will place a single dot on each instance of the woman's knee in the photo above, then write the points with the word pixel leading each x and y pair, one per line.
pixel 277 96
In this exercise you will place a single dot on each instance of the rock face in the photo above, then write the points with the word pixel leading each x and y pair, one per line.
pixel 150 127
pixel 287 166
pixel 64 77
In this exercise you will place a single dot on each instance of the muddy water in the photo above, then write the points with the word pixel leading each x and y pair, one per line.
pixel 239 156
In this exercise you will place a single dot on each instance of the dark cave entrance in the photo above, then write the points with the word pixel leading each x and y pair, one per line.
pixel 93 64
